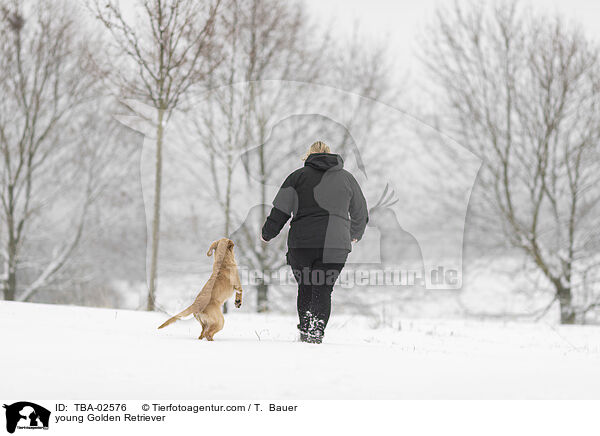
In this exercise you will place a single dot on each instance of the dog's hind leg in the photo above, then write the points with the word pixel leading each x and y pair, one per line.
pixel 217 326
pixel 204 330
pixel 210 332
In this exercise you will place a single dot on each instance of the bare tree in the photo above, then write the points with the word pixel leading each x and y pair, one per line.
pixel 170 49
pixel 45 83
pixel 108 252
pixel 366 68
pixel 263 39
pixel 522 92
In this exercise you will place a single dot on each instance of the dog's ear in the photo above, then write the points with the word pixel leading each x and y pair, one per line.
pixel 212 248
pixel 230 244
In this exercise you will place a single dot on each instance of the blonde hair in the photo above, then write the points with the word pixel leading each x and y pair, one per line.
pixel 317 147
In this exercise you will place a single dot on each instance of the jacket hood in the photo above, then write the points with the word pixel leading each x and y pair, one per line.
pixel 324 161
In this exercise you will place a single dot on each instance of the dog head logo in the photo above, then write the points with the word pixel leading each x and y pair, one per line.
pixel 26 415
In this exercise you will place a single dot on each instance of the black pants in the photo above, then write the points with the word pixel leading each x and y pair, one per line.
pixel 315 283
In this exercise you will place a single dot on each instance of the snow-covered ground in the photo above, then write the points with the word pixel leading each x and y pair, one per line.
pixel 54 352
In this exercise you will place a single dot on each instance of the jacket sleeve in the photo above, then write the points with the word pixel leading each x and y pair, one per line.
pixel 359 214
pixel 284 204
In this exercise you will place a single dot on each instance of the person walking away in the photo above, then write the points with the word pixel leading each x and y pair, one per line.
pixel 328 211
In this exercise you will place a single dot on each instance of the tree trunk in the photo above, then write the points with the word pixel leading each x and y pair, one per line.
pixel 228 210
pixel 567 312
pixel 262 302
pixel 10 289
pixel 10 286
pixel 261 297
pixel 156 214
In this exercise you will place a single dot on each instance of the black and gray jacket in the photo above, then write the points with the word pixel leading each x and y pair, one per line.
pixel 326 203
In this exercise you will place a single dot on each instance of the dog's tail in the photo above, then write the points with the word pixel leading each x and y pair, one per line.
pixel 180 315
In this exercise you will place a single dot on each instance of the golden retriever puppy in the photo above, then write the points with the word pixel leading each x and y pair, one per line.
pixel 219 287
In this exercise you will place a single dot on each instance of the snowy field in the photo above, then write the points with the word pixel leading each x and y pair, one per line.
pixel 52 352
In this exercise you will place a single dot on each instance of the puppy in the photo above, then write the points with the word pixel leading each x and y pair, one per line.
pixel 219 287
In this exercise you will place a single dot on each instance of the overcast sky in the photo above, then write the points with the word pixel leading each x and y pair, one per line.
pixel 400 21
